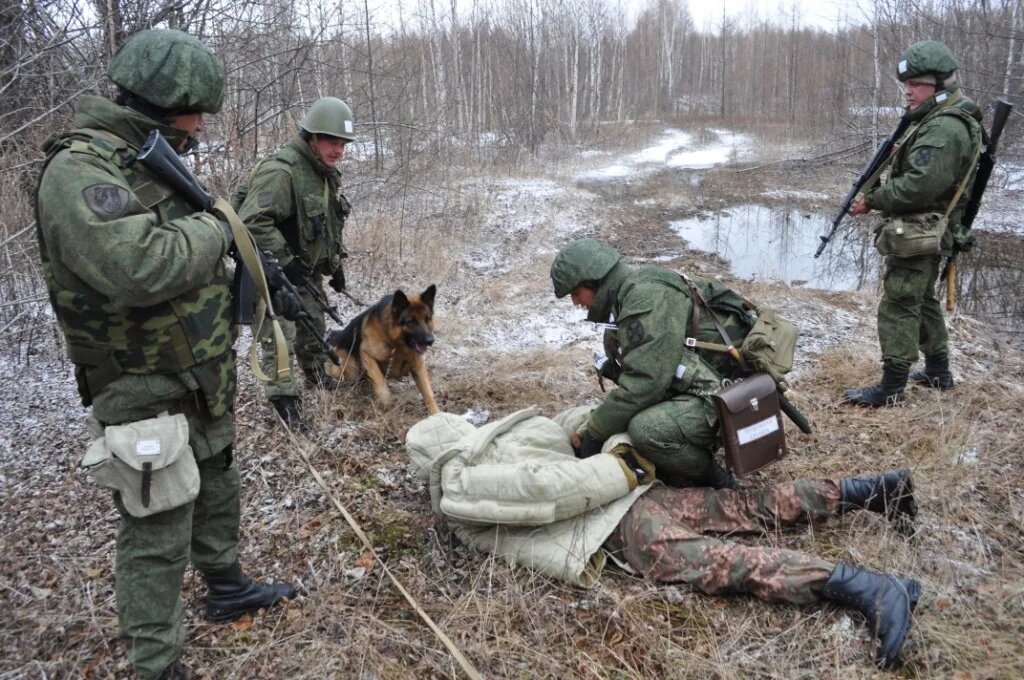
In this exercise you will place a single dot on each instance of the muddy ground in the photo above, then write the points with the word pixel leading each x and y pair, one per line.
pixel 504 343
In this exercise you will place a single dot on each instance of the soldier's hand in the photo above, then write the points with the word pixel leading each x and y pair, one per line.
pixel 860 207
pixel 295 271
pixel 288 304
pixel 337 281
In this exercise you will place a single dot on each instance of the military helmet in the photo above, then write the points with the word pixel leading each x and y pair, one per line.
pixel 929 57
pixel 170 70
pixel 330 116
pixel 584 260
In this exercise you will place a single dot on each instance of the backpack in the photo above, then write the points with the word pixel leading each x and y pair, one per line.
pixel 736 336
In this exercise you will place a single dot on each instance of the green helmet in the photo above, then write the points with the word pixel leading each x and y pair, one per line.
pixel 170 70
pixel 584 260
pixel 330 116
pixel 928 57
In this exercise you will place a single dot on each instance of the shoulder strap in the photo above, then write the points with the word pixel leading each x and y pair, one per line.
pixel 700 301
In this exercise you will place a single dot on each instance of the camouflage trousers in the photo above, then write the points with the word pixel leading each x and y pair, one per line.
pixel 302 345
pixel 663 537
pixel 679 436
pixel 910 315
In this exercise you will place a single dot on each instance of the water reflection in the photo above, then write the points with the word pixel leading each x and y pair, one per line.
pixel 771 244
pixel 990 282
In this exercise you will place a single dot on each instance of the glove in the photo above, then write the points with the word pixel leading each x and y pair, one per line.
pixel 589 446
pixel 288 304
pixel 641 467
pixel 295 271
pixel 606 368
pixel 337 281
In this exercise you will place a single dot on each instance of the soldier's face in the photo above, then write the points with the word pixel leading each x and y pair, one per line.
pixel 329 150
pixel 191 123
pixel 917 93
pixel 582 296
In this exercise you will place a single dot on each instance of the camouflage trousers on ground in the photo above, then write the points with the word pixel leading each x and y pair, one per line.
pixel 663 537
pixel 153 552
pixel 679 436
pixel 302 346
pixel 910 317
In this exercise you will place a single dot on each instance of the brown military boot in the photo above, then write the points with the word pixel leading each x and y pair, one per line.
pixel 886 601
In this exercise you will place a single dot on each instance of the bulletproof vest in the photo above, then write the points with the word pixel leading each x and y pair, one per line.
pixel 314 230
pixel 192 332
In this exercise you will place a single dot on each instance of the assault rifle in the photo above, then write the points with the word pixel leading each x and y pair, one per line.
pixel 159 158
pixel 866 175
pixel 986 163
pixel 322 302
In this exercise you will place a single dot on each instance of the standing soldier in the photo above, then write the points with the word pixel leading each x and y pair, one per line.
pixel 295 210
pixel 138 286
pixel 932 170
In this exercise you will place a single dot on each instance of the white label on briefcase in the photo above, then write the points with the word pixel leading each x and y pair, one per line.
pixel 745 435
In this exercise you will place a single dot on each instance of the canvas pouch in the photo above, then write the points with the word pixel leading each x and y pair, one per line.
pixel 770 345
pixel 149 462
pixel 911 235
pixel 752 433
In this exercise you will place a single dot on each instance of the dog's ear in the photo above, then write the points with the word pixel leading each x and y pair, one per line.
pixel 427 296
pixel 399 303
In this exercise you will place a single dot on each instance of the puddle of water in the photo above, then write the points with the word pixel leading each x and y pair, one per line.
pixel 771 244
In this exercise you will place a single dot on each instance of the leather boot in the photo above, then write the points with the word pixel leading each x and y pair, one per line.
pixel 231 594
pixel 288 409
pixel 318 377
pixel 885 601
pixel 716 477
pixel 935 374
pixel 890 493
pixel 176 671
pixel 889 392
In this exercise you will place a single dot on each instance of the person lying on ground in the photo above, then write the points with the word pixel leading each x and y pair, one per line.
pixel 514 488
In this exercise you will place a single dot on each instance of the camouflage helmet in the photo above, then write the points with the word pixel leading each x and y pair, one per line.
pixel 584 260
pixel 928 57
pixel 170 70
pixel 330 116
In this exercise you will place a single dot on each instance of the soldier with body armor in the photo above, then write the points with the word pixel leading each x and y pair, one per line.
pixel 137 282
pixel 294 208
pixel 929 180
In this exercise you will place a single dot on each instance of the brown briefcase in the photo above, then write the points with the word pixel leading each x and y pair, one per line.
pixel 748 411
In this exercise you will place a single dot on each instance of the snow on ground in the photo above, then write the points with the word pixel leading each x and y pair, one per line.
pixel 676 149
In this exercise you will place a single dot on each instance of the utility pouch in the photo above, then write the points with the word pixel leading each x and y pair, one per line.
pixel 751 420
pixel 911 235
pixel 770 345
pixel 148 462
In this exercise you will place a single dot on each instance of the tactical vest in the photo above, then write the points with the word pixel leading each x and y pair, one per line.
pixel 192 332
pixel 314 230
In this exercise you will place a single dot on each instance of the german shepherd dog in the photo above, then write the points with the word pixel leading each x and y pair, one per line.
pixel 388 340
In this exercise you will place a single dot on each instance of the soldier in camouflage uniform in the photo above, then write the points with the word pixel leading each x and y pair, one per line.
pixel 137 282
pixel 663 388
pixel 937 154
pixel 294 208
pixel 520 476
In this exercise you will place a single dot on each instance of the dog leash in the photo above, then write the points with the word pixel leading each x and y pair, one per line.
pixel 468 668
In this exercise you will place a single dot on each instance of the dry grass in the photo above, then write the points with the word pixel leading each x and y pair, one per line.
pixel 57 530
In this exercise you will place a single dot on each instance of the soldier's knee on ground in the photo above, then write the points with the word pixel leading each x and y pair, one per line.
pixel 674 456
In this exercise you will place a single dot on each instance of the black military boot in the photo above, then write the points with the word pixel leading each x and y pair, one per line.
pixel 935 374
pixel 318 377
pixel 288 409
pixel 890 493
pixel 176 671
pixel 889 392
pixel 886 601
pixel 716 477
pixel 231 594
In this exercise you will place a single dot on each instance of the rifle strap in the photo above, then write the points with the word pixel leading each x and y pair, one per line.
pixel 700 301
pixel 264 307
pixel 963 183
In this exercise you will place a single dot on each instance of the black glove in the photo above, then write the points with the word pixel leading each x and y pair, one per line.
pixel 295 271
pixel 589 446
pixel 288 304
pixel 337 281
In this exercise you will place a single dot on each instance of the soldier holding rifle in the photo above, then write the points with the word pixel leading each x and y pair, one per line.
pixel 921 203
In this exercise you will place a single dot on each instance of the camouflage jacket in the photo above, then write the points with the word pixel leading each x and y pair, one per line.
pixel 651 307
pixel 135 276
pixel 933 157
pixel 293 208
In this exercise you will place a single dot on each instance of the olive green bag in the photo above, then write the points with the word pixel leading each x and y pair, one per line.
pixel 149 462
pixel 911 235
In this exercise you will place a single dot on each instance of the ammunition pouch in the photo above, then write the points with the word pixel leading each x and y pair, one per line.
pixel 751 420
pixel 149 463
pixel 911 235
